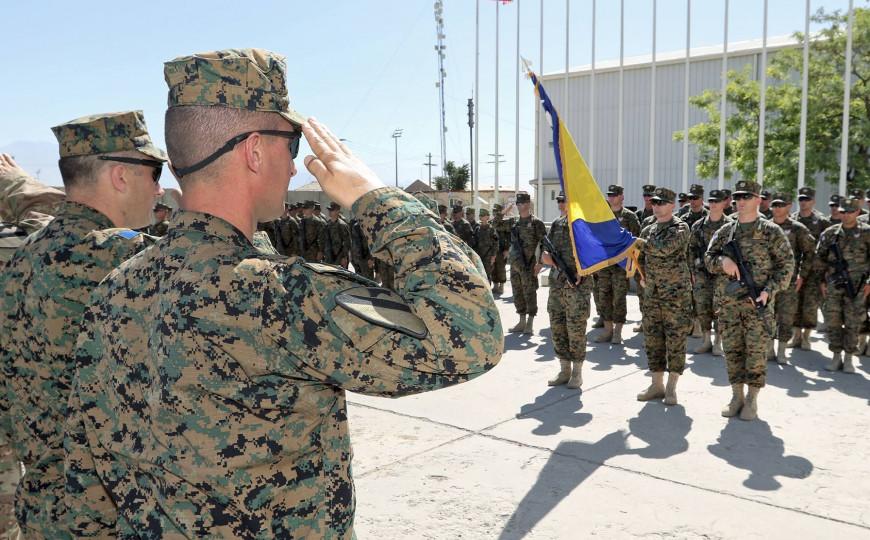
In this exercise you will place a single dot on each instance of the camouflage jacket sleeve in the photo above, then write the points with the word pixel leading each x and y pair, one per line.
pixel 27 202
pixel 632 222
pixel 806 246
pixel 345 240
pixel 447 328
pixel 712 257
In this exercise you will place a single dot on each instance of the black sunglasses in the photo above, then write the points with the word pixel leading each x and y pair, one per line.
pixel 844 211
pixel 156 166
pixel 780 204
pixel 743 196
pixel 694 197
pixel 293 144
pixel 659 202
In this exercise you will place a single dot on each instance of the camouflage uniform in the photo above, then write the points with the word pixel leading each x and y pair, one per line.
pixel 359 250
pixel 803 247
pixel 745 335
pixel 463 230
pixel 667 319
pixel 702 290
pixel 288 234
pixel 46 286
pixel 844 315
pixel 335 239
pixel 524 282
pixel 158 229
pixel 502 226
pixel 487 246
pixel 309 238
pixel 611 281
pixel 261 241
pixel 810 296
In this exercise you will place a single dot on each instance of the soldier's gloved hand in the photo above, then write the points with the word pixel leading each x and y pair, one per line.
pixel 343 177
pixel 762 298
pixel 730 268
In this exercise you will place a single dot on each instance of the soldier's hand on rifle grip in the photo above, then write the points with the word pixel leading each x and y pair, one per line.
pixel 762 298
pixel 730 267
pixel 547 259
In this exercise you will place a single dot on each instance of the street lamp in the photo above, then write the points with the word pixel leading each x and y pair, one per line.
pixel 397 133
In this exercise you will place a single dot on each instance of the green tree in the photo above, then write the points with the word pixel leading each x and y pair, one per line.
pixel 783 103
pixel 455 178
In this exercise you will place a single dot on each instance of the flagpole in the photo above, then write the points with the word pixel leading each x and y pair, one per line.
pixel 517 111
pixel 686 98
pixel 762 106
pixel 567 55
pixel 723 103
pixel 805 79
pixel 847 90
pixel 652 101
pixel 540 117
pixel 619 129
pixel 476 180
pixel 495 158
pixel 592 99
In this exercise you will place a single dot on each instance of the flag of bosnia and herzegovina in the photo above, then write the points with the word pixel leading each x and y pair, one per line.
pixel 598 238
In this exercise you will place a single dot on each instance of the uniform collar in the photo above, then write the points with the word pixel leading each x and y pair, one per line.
pixel 187 222
pixel 72 209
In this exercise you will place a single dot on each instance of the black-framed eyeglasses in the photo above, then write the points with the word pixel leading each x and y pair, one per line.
pixel 293 144
pixel 156 166
pixel 743 196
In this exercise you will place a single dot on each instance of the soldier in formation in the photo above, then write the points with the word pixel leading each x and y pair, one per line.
pixel 611 281
pixel 310 229
pixel 442 212
pixel 525 236
pixel 696 210
pixel 803 247
pixel 161 220
pixel 486 245
pixel 808 296
pixel 703 282
pixel 567 304
pixel 667 297
pixel 335 238
pixel 503 226
pixel 462 227
pixel 746 316
pixel 766 202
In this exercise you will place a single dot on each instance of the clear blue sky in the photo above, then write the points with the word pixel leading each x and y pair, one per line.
pixel 363 68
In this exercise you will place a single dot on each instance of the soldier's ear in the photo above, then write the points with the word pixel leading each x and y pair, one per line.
pixel 119 176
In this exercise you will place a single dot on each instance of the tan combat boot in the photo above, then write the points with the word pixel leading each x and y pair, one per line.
pixel 671 390
pixel 836 362
pixel 796 335
pixel 564 374
pixel 750 406
pixel 520 325
pixel 606 335
pixel 848 365
pixel 576 377
pixel 805 339
pixel 717 346
pixel 736 402
pixel 696 329
pixel 707 346
pixel 780 352
pixel 656 390
pixel 599 322
pixel 529 327
pixel 617 334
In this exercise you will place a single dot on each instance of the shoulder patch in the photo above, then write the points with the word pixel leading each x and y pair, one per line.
pixel 382 307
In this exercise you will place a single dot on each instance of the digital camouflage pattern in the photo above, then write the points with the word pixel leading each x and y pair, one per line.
pixel 667 319
pixel 46 286
pixel 487 247
pixel 359 250
pixel 843 315
pixel 464 231
pixel 745 336
pixel 230 389
pixel 690 217
pixel 803 247
pixel 502 226
pixel 567 306
pixel 611 281
pixel 310 236
pixel 335 239
pixel 106 133
pixel 249 79
pixel 261 241
pixel 704 283
pixel 523 257
pixel 157 229
pixel 809 297
pixel 287 231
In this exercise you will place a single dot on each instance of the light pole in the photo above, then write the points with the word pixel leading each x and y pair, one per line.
pixel 397 133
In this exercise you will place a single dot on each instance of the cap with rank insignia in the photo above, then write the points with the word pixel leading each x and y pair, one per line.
pixel 614 190
pixel 746 186
pixel 834 200
pixel 807 193
pixel 716 195
pixel 648 190
pixel 523 198
pixel 696 190
pixel 856 193
pixel 664 195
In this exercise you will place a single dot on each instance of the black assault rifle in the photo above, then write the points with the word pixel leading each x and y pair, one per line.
pixel 840 277
pixel 563 267
pixel 517 244
pixel 746 280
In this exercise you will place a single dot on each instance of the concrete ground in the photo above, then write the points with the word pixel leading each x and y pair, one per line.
pixel 506 457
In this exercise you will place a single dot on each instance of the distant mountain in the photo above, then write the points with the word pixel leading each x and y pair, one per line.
pixel 39 158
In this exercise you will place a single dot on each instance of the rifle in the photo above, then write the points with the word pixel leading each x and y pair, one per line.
pixel 517 244
pixel 840 277
pixel 746 280
pixel 561 265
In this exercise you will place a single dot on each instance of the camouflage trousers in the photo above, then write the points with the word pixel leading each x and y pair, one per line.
pixel 10 474
pixel 844 317
pixel 745 337
pixel 361 267
pixel 386 274
pixel 612 289
pixel 39 502
pixel 525 287
pixel 569 310
pixel 786 310
pixel 499 274
pixel 666 326
pixel 809 297
pixel 639 289
pixel 488 267
pixel 702 295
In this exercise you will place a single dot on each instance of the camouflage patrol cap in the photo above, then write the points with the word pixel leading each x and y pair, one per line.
pixel 316 205
pixel 727 192
pixel 856 193
pixel 747 186
pixel 105 133
pixel 469 211
pixel 250 79
pixel 497 207
pixel 613 190
pixel 696 190
pixel 523 198
pixel 664 195
pixel 682 197
pixel 716 195
pixel 457 209
pixel 765 194
pixel 834 200
pixel 161 206
pixel 428 202
pixel 648 190
pixel 483 212
pixel 782 197
pixel 850 204
pixel 333 206
pixel 806 193
pixel 308 204
pixel 560 197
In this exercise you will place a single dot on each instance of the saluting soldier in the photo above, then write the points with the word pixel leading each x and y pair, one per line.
pixel 809 295
pixel 746 330
pixel 611 281
pixel 487 243
pixel 703 282
pixel 846 283
pixel 803 247
pixel 667 297
pixel 567 304
pixel 525 236
pixel 502 226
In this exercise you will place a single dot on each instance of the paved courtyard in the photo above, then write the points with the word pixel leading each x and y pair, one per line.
pixel 505 457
